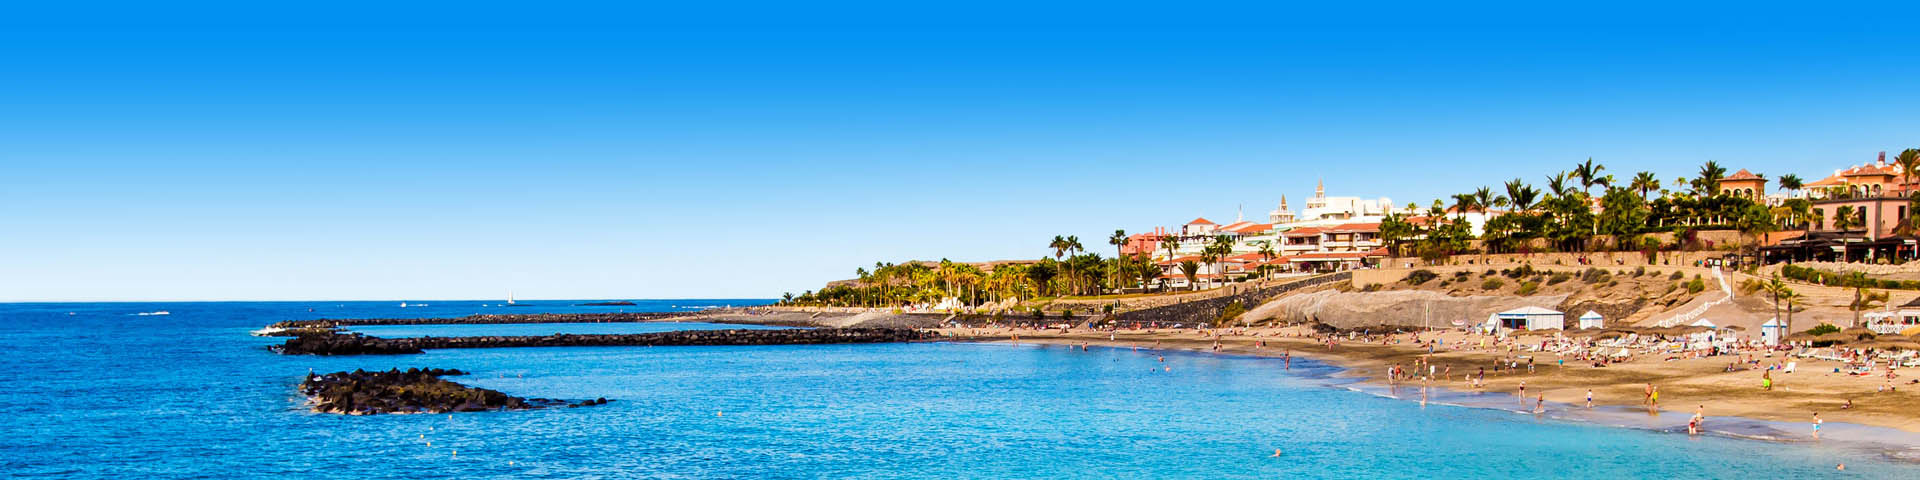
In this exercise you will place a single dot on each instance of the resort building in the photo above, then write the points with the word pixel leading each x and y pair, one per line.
pixel 1858 214
pixel 1745 184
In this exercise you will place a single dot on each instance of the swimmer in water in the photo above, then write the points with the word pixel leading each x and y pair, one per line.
pixel 1276 453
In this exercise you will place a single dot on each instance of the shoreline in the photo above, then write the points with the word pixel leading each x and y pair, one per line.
pixel 1885 441
pixel 1366 364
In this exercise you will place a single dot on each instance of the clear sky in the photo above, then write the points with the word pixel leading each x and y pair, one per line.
pixel 260 150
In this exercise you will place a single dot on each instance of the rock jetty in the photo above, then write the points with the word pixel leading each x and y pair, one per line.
pixel 415 390
pixel 328 323
pixel 360 344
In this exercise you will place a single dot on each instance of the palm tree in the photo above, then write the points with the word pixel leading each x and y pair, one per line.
pixel 1863 300
pixel 866 279
pixel 1463 202
pixel 1790 182
pixel 1266 257
pixel 1589 175
pixel 1774 287
pixel 1710 175
pixel 1789 296
pixel 1843 218
pixel 1644 182
pixel 1172 243
pixel 1909 162
pixel 1520 195
pixel 1191 270
pixel 1119 242
pixel 1557 184
pixel 1059 246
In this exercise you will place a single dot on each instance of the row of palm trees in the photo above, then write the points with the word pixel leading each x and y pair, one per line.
pixel 1562 212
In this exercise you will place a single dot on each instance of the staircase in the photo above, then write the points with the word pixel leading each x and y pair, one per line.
pixel 1689 316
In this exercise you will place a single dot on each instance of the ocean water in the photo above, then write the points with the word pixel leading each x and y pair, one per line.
pixel 103 393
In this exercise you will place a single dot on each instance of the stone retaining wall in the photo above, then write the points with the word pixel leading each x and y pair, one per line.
pixel 1208 310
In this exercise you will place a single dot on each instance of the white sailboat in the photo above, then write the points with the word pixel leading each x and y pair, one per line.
pixel 509 297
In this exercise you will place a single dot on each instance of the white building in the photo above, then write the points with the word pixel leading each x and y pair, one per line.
pixel 1532 318
pixel 1592 319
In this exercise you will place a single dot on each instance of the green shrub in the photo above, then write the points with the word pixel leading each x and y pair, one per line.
pixel 1527 288
pixel 1676 275
pixel 1491 284
pixel 1595 275
pixel 1231 311
pixel 1823 329
pixel 1697 285
pixel 1421 276
pixel 1559 277
pixel 1639 271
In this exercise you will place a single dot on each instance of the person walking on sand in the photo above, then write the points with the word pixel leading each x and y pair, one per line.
pixel 1766 380
pixel 1589 398
pixel 1648 399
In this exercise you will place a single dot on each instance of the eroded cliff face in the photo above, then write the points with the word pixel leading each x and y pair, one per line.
pixel 1395 307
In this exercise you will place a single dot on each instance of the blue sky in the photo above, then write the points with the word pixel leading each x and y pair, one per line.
pixel 742 149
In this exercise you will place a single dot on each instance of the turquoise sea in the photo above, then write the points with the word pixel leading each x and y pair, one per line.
pixel 97 391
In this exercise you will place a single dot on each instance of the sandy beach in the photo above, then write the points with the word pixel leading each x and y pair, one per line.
pixel 1683 384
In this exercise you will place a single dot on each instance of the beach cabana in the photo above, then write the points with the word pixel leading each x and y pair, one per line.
pixel 1703 323
pixel 1532 318
pixel 1592 319
pixel 1772 331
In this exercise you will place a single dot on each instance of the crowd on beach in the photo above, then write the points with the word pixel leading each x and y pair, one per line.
pixel 1437 355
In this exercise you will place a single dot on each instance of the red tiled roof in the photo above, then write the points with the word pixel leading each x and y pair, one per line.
pixel 1743 174
pixel 1248 227
pixel 1871 170
pixel 1302 232
pixel 1354 227
pixel 1200 221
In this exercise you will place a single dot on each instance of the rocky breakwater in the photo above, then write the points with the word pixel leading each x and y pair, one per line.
pixel 359 344
pixel 415 390
pixel 297 327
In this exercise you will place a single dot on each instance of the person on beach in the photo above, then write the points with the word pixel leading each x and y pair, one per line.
pixel 1816 425
pixel 1766 380
pixel 1648 400
pixel 1654 399
pixel 1540 404
pixel 1589 398
pixel 1523 390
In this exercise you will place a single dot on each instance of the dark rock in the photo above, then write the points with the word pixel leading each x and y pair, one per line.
pixel 413 391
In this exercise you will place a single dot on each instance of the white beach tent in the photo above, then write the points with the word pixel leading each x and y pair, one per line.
pixel 1704 323
pixel 1532 318
pixel 1592 319
pixel 1772 331
pixel 1493 322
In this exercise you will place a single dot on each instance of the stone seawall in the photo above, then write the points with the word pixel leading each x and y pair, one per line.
pixel 1208 310
pixel 358 344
